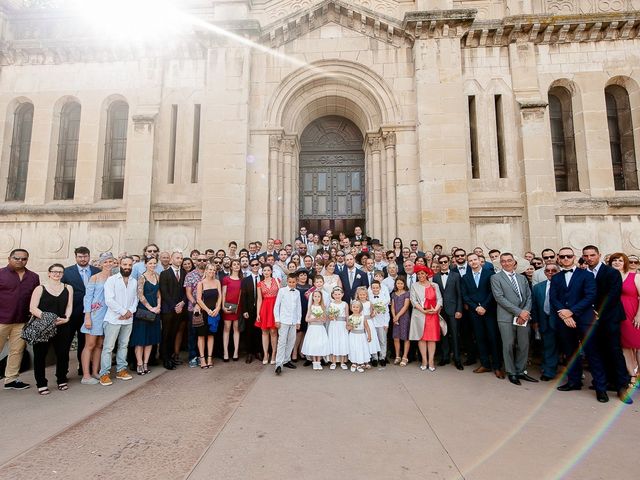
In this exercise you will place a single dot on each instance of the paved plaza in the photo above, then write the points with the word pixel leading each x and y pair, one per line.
pixel 240 421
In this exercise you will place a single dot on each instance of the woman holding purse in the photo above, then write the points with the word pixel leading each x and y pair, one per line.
pixel 230 315
pixel 209 299
pixel 146 325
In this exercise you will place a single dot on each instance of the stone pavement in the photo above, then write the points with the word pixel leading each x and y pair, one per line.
pixel 240 421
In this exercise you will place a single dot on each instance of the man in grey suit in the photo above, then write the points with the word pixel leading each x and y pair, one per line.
pixel 513 296
pixel 449 284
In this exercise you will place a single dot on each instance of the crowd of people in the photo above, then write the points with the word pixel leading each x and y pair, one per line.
pixel 333 301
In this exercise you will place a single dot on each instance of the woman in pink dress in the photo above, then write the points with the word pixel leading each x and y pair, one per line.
pixel 230 314
pixel 630 326
pixel 267 293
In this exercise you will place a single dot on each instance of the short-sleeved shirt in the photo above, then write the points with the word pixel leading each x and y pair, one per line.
pixel 15 295
pixel 193 278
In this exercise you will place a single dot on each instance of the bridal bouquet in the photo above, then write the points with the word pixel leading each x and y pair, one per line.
pixel 316 311
pixel 333 311
pixel 95 306
pixel 380 307
pixel 355 321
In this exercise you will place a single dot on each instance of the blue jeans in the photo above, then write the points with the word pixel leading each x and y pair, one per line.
pixel 113 333
pixel 191 337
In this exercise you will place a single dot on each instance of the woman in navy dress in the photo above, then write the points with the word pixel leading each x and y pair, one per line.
pixel 145 334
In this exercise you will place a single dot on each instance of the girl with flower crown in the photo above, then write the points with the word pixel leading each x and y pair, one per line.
pixel 359 338
pixel 316 341
pixel 337 331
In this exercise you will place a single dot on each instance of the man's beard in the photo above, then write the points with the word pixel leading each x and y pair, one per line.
pixel 125 272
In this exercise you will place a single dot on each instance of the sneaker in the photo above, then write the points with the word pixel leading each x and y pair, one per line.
pixel 105 379
pixel 89 381
pixel 193 363
pixel 332 366
pixel 123 375
pixel 16 385
pixel 344 366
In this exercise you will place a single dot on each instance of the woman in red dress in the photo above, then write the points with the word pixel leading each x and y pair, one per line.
pixel 630 326
pixel 425 320
pixel 267 293
pixel 230 314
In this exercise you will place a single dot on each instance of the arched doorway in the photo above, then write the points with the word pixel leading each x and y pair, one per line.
pixel 332 176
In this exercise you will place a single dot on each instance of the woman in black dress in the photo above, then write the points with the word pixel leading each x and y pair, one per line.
pixel 57 298
pixel 209 299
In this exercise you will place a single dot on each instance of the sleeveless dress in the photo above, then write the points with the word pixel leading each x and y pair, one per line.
pixel 358 345
pixel 431 332
pixel 401 331
pixel 269 294
pixel 233 296
pixel 304 300
pixel 629 335
pixel 94 303
pixel 338 333
pixel 374 344
pixel 145 333
pixel 210 298
pixel 316 341
pixel 58 305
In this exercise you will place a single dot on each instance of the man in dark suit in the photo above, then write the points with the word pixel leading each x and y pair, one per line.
pixel 476 294
pixel 540 314
pixel 303 236
pixel 358 236
pixel 78 276
pixel 352 278
pixel 173 311
pixel 571 296
pixel 248 299
pixel 449 284
pixel 609 314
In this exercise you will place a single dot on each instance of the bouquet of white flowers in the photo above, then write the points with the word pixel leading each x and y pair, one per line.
pixel 380 307
pixel 333 310
pixel 355 321
pixel 316 311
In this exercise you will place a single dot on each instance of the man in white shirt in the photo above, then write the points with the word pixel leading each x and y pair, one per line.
pixel 121 298
pixel 392 274
pixel 288 315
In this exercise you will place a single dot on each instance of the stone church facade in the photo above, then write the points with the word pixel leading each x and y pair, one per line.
pixel 499 123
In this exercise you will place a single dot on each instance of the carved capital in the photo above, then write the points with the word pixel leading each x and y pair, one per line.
pixel 532 109
pixel 375 143
pixel 389 139
pixel 274 142
pixel 144 122
pixel 287 146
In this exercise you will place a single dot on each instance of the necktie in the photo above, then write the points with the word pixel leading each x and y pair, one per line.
pixel 514 284
pixel 546 306
pixel 255 287
pixel 370 278
pixel 351 277
pixel 177 272
pixel 85 276
pixel 476 278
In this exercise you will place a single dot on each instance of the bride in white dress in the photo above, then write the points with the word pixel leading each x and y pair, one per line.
pixel 331 279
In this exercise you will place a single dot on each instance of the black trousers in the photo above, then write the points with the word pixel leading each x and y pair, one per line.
pixel 170 325
pixel 451 342
pixel 75 323
pixel 608 343
pixel 467 337
pixel 486 329
pixel 252 336
pixel 60 343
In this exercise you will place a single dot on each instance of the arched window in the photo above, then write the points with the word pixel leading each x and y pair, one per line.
pixel 115 150
pixel 19 159
pixel 65 180
pixel 623 155
pixel 562 140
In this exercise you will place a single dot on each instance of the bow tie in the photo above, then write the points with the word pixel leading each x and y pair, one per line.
pixel 444 273
pixel 568 271
pixel 376 296
pixel 292 289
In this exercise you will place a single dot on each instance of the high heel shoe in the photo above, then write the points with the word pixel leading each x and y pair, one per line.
pixel 265 360
pixel 235 359
pixel 209 362
pixel 140 370
pixel 145 367
pixel 202 363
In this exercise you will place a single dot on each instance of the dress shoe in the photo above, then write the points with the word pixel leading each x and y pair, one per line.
pixel 176 360
pixel 567 387
pixel 499 374
pixel 294 360
pixel 610 388
pixel 624 395
pixel 527 378
pixel 459 366
pixel 514 379
pixel 290 365
pixel 169 365
pixel 374 362
pixel 545 378
pixel 481 369
pixel 305 364
pixel 442 363
pixel 278 370
pixel 383 363
pixel 602 396
pixel 249 359
pixel 468 363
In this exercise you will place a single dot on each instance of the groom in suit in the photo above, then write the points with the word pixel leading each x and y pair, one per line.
pixel 352 278
pixel 449 284
pixel 513 296
pixel 78 276
pixel 571 296
pixel 173 301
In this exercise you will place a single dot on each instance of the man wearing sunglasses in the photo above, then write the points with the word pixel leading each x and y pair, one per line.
pixel 248 300
pixel 571 296
pixel 17 283
pixel 150 251
pixel 549 258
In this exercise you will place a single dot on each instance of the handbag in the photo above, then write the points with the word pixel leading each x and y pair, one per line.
pixel 40 330
pixel 233 307
pixel 213 322
pixel 443 325
pixel 145 315
pixel 197 320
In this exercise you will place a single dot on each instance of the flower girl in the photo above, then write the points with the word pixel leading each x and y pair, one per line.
pixel 316 341
pixel 362 295
pixel 338 334
pixel 359 338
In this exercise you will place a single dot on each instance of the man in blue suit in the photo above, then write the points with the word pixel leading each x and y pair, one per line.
pixel 78 276
pixel 540 314
pixel 352 278
pixel 477 295
pixel 609 314
pixel 571 296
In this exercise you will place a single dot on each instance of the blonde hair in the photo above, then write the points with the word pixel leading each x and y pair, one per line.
pixel 362 289
pixel 356 302
pixel 321 298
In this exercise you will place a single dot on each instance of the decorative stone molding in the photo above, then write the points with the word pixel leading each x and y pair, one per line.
pixel 532 109
pixel 278 9
pixel 439 23
pixel 389 139
pixel 549 29
pixel 375 143
pixel 274 142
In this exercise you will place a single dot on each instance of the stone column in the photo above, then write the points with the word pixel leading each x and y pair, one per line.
pixel 274 191
pixel 539 181
pixel 441 119
pixel 138 178
pixel 295 191
pixel 368 175
pixel 287 194
pixel 376 174
pixel 390 153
